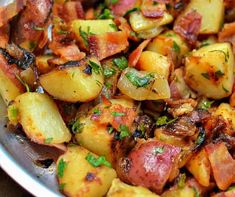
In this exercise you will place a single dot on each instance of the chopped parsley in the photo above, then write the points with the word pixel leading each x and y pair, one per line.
pixel 124 131
pixel 138 81
pixel 225 89
pixel 121 63
pixel 61 32
pixel 113 26
pixel 13 111
pixel 114 1
pixel 95 67
pixel 219 74
pixel 205 104
pixel 181 181
pixel 118 114
pixel 97 111
pixel 38 28
pixel 77 126
pixel 176 47
pixel 106 14
pixel 84 36
pixel 110 129
pixel 164 120
pixel 61 167
pixel 48 140
pixel 108 72
pixel 96 162
pixel 130 11
pixel 158 150
pixel 197 194
pixel 206 75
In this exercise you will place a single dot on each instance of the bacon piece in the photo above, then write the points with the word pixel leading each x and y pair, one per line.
pixel 122 6
pixel 11 10
pixel 11 71
pixel 222 164
pixel 149 9
pixel 150 164
pixel 229 193
pixel 107 116
pixel 4 35
pixel 135 55
pixel 108 44
pixel 69 11
pixel 228 34
pixel 34 15
pixel 188 26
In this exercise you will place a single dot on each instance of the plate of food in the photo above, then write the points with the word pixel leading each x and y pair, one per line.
pixel 118 97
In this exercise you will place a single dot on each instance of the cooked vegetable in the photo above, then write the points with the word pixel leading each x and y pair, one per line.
pixel 120 189
pixel 154 62
pixel 211 67
pixel 211 20
pixel 142 85
pixel 79 178
pixel 40 118
pixel 72 83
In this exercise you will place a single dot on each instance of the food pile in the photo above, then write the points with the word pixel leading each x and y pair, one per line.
pixel 138 94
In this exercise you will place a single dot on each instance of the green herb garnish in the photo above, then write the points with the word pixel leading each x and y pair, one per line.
pixel 108 72
pixel 61 186
pixel 113 26
pixel 38 28
pixel 206 75
pixel 96 111
pixel 219 74
pixel 225 89
pixel 61 167
pixel 118 114
pixel 181 181
pixel 77 126
pixel 176 47
pixel 226 55
pixel 158 150
pixel 130 11
pixel 96 162
pixel 95 67
pixel 124 131
pixel 106 15
pixel 164 120
pixel 84 36
pixel 48 140
pixel 121 63
pixel 205 104
pixel 138 81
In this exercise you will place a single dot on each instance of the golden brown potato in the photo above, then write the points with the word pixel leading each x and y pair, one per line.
pixel 209 70
pixel 169 43
pixel 95 136
pixel 180 192
pixel 73 83
pixel 154 62
pixel 212 13
pixel 142 85
pixel 40 118
pixel 227 112
pixel 77 177
pixel 120 189
pixel 199 166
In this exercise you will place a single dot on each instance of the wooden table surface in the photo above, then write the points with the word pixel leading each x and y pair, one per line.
pixel 10 188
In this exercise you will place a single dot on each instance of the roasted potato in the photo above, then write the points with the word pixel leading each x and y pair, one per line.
pixel 120 189
pixel 40 118
pixel 143 85
pixel 199 166
pixel 78 177
pixel 227 112
pixel 211 20
pixel 209 70
pixel 80 83
pixel 95 136
pixel 180 192
pixel 169 44
pixel 154 62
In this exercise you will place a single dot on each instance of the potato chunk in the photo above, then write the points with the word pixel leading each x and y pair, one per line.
pixel 77 177
pixel 79 83
pixel 120 189
pixel 154 62
pixel 212 13
pixel 40 118
pixel 209 70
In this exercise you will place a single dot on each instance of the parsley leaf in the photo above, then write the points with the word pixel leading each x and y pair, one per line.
pixel 61 167
pixel 97 111
pixel 108 72
pixel 225 89
pixel 130 11
pixel 38 28
pixel 95 67
pixel 219 74
pixel 163 120
pixel 138 81
pixel 106 15
pixel 13 112
pixel 205 104
pixel 84 36
pixel 176 47
pixel 118 114
pixel 121 63
pixel 96 162
pixel 206 75
pixel 113 26
pixel 124 131
pixel 61 186
pixel 158 150
pixel 77 126
pixel 48 140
